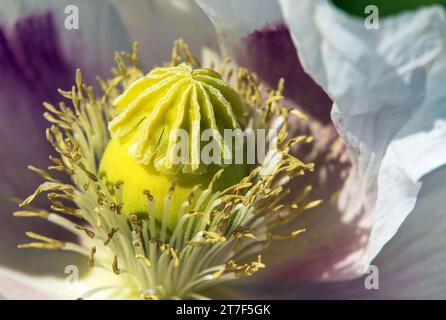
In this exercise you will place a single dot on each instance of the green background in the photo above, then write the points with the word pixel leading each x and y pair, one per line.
pixel 386 7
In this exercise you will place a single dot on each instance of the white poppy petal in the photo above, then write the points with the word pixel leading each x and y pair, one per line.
pixel 72 282
pixel 388 103
pixel 156 24
pixel 418 148
pixel 411 266
pixel 239 18
pixel 23 286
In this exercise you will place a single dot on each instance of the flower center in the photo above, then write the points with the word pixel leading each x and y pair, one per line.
pixel 200 236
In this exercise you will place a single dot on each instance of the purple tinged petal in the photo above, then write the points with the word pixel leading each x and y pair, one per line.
pixel 38 56
pixel 255 34
pixel 37 47
pixel 270 53
pixel 33 68
pixel 30 75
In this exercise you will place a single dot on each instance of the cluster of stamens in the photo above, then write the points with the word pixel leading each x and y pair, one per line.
pixel 219 234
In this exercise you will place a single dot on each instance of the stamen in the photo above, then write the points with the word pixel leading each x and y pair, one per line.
pixel 40 214
pixel 43 174
pixel 88 232
pixel 246 269
pixel 91 257
pixel 47 243
pixel 115 265
pixel 110 235
pixel 47 186
pixel 287 236
pixel 144 259
pixel 181 52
